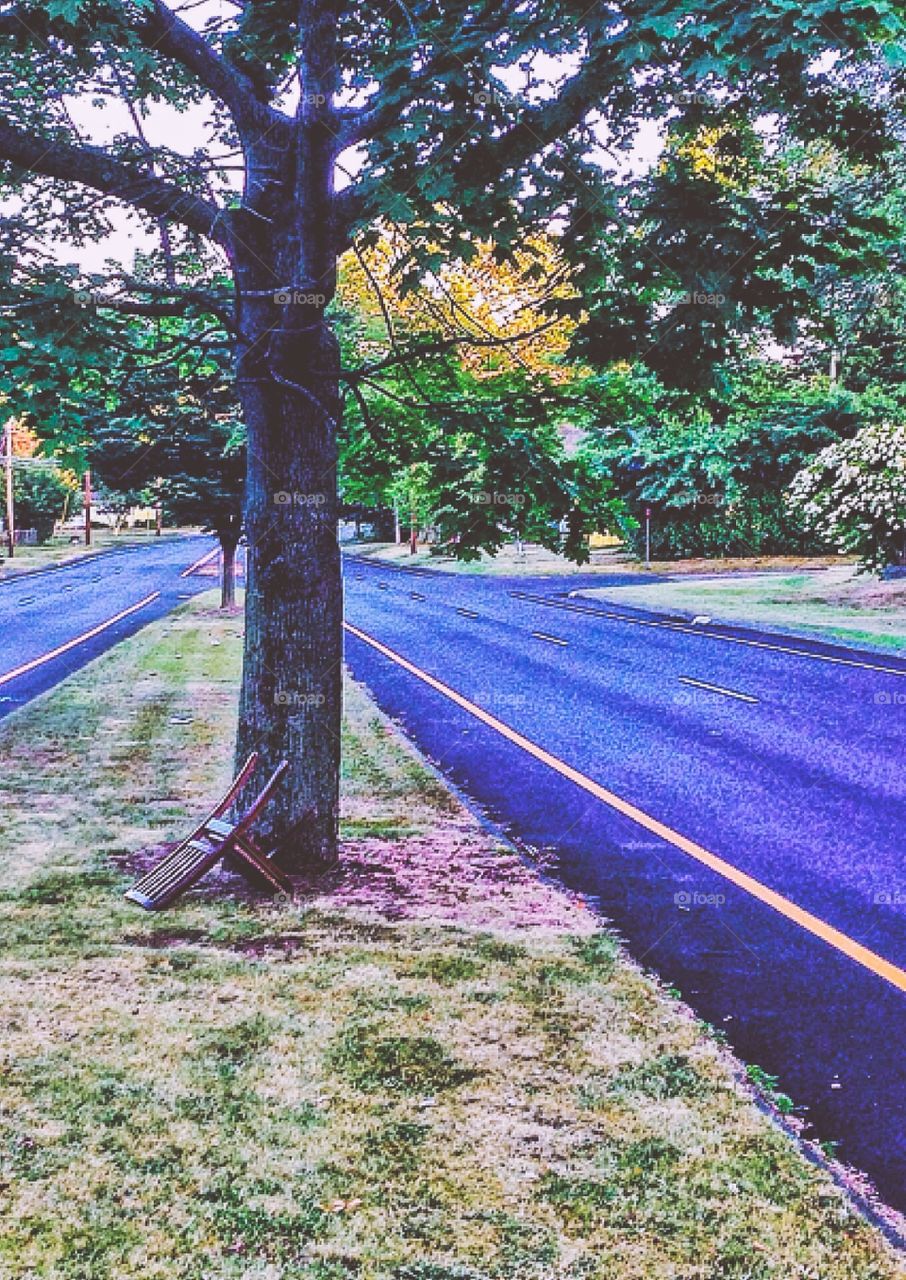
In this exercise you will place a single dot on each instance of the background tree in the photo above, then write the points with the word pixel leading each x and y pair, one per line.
pixel 40 492
pixel 464 120
pixel 854 494
pixel 40 488
pixel 169 433
pixel 467 433
pixel 717 488
pixel 194 471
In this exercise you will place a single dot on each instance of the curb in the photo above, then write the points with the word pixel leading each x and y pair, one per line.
pixel 762 633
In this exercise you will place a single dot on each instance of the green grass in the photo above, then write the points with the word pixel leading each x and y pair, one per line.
pixel 239 1089
pixel 534 559
pixel 372 1060
pixel 834 604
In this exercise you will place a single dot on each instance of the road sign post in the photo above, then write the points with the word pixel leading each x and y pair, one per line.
pixel 647 537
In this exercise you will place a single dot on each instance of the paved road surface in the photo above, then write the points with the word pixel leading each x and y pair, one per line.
pixel 43 612
pixel 784 769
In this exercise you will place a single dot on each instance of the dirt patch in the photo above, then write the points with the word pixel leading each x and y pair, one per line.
pixel 749 564
pixel 871 595
pixel 456 875
pixel 164 939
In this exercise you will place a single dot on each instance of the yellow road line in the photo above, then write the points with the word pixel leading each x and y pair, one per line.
pixel 71 644
pixel 208 555
pixel 798 915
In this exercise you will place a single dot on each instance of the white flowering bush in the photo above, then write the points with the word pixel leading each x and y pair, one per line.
pixel 853 493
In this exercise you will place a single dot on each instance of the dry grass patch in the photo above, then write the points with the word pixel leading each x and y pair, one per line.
pixel 243 1090
pixel 535 559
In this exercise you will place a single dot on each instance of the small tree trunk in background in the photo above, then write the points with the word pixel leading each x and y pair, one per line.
pixel 10 511
pixel 227 572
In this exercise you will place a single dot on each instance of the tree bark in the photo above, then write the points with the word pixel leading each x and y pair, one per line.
pixel 227 573
pixel 290 704
pixel 283 247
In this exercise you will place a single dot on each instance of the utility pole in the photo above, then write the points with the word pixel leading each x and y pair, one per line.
pixel 647 537
pixel 87 504
pixel 10 511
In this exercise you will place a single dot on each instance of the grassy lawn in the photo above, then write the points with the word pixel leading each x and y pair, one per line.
pixel 834 604
pixel 533 560
pixel 62 550
pixel 537 560
pixel 429 1066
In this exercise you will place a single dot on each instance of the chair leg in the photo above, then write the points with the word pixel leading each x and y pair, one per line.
pixel 255 865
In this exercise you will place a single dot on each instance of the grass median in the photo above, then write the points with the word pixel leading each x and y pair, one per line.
pixel 837 604
pixel 430 1066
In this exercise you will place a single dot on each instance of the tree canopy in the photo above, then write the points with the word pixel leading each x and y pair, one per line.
pixel 313 126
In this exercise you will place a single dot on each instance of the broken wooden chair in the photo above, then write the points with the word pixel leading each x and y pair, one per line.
pixel 212 840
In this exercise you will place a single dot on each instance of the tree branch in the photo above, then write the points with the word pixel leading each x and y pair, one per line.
pixel 94 167
pixel 162 31
pixel 537 127
pixel 442 346
pixel 167 33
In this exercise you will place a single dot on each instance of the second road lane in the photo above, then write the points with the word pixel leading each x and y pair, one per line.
pixel 735 804
pixel 53 622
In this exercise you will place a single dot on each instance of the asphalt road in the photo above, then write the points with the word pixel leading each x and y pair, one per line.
pixel 46 611
pixel 738 811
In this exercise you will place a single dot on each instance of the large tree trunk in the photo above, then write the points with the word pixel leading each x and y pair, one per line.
pixel 290 703
pixel 284 247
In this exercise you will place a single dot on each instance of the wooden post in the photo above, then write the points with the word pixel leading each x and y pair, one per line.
pixel 87 504
pixel 10 509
